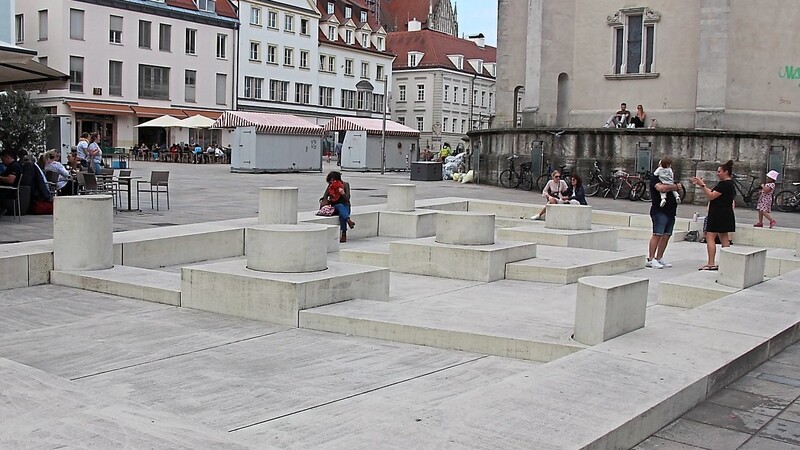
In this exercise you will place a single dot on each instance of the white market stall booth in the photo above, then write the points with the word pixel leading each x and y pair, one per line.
pixel 264 142
pixel 361 148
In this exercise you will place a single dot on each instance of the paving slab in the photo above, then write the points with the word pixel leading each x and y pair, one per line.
pixel 700 434
pixel 761 443
pixel 783 431
pixel 657 443
pixel 726 417
pixel 41 410
pixel 746 401
pixel 566 265
pixel 126 281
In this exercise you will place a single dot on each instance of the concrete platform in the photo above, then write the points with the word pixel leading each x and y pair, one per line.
pixel 598 238
pixel 476 262
pixel 376 255
pixel 230 288
pixel 781 262
pixel 566 265
pixel 132 282
pixel 644 234
pixel 25 263
pixel 692 290
pixel 407 224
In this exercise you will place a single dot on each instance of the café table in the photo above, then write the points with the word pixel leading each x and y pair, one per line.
pixel 127 181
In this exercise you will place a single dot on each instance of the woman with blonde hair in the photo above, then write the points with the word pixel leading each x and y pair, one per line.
pixel 640 118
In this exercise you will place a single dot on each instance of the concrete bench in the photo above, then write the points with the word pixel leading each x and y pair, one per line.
pixel 568 217
pixel 608 307
pixel 741 267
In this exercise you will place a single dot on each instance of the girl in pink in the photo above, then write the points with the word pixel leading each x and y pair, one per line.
pixel 764 206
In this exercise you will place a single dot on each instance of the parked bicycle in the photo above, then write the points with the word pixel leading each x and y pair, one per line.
pixel 597 182
pixel 787 201
pixel 512 179
pixel 541 182
pixel 751 194
pixel 641 190
pixel 623 184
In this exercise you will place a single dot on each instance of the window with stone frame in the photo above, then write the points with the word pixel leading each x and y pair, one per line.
pixel 634 41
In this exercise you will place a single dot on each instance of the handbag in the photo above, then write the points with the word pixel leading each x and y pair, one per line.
pixel 326 210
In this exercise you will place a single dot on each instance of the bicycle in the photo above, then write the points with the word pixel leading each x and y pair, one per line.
pixel 597 182
pixel 787 201
pixel 750 196
pixel 623 180
pixel 511 179
pixel 541 182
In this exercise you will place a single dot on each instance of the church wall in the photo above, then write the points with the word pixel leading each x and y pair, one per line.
pixel 511 48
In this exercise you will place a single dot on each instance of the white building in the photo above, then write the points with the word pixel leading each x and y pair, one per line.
pixel 444 86
pixel 132 60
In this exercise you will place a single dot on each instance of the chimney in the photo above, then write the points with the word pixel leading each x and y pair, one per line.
pixel 478 39
pixel 414 25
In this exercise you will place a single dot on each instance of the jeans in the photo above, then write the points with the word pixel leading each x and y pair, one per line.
pixel 98 169
pixel 344 214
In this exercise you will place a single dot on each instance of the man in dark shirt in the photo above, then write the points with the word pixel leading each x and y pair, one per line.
pixel 621 118
pixel 10 177
pixel 663 218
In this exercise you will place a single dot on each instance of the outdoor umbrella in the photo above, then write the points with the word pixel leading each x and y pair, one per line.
pixel 18 70
pixel 166 121
pixel 197 121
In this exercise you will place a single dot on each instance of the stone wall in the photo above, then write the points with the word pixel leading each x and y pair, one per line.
pixel 694 152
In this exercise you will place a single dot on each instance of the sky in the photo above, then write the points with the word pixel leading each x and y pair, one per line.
pixel 478 16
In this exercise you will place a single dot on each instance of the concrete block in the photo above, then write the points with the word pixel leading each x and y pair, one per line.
pixel 765 237
pixel 277 205
pixel 644 234
pixel 366 257
pixel 457 228
pixel 692 290
pixel 475 262
pixel 39 267
pixel 366 224
pixel 230 288
pixel 503 209
pixel 741 267
pixel 25 263
pixel 401 197
pixel 567 265
pixel 608 307
pixel 82 232
pixel 172 247
pixel 414 224
pixel 132 282
pixel 287 248
pixel 444 204
pixel 603 239
pixel 568 217
pixel 644 221
pixel 612 218
pixel 13 272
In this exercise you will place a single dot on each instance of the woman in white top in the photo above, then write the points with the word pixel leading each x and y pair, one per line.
pixel 64 183
pixel 552 193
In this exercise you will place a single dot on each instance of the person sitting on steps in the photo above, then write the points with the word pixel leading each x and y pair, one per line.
pixel 337 194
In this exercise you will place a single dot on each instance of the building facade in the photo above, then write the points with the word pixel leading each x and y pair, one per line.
pixel 707 64
pixel 443 86
pixel 436 15
pixel 133 60
pixel 307 58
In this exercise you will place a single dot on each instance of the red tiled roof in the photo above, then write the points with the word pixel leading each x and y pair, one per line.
pixel 437 46
pixel 224 8
pixel 400 12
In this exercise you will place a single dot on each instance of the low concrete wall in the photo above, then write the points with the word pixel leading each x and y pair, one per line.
pixel 694 152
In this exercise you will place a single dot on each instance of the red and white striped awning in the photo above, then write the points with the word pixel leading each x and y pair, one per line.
pixel 268 123
pixel 371 126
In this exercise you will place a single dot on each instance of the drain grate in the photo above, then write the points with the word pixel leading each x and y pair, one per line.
pixel 379 195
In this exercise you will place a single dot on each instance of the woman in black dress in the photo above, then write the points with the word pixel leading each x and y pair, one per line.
pixel 721 220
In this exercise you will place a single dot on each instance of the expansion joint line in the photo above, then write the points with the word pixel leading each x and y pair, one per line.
pixel 358 394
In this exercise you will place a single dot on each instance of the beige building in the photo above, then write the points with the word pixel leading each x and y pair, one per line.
pixel 717 64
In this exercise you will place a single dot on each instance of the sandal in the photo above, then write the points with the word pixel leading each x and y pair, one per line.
pixel 758 225
pixel 709 267
pixel 772 223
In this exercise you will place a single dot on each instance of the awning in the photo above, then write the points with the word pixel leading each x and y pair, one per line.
pixel 161 122
pixel 19 71
pixel 371 126
pixel 268 123
pixel 205 113
pixel 100 108
pixel 150 111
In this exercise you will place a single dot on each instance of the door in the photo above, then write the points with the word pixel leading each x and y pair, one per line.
pixel 244 151
pixel 354 150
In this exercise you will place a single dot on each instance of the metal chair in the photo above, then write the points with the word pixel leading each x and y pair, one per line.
pixel 15 201
pixel 158 184
pixel 52 181
pixel 125 183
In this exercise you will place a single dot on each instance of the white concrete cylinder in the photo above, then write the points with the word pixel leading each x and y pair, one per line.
pixel 401 197
pixel 464 228
pixel 607 307
pixel 287 248
pixel 82 232
pixel 741 267
pixel 277 205
pixel 568 217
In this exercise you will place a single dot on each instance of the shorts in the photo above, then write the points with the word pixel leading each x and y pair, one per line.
pixel 662 224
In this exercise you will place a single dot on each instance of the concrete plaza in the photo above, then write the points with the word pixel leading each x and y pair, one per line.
pixel 92 370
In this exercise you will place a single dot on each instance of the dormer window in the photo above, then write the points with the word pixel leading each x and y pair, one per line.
pixel 363 16
pixel 457 60
pixel 348 36
pixel 477 64
pixel 380 44
pixel 206 5
pixel 414 58
pixel 348 12
pixel 330 7
pixel 331 33
pixel 365 40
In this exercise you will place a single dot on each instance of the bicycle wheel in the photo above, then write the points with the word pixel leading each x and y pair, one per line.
pixel 786 201
pixel 541 182
pixel 646 193
pixel 593 187
pixel 637 191
pixel 526 182
pixel 509 179
pixel 682 192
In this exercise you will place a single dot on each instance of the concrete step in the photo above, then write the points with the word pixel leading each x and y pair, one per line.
pixel 643 234
pixel 435 325
pixel 125 281
pixel 564 265
pixel 598 238
pixel 692 290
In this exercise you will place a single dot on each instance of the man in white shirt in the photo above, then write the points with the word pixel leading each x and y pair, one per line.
pixel 83 147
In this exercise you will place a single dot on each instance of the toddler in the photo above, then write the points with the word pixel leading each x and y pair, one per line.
pixel 665 176
pixel 764 205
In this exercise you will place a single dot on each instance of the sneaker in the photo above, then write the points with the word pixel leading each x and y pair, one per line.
pixel 678 199
pixel 663 263
pixel 663 202
pixel 653 264
pixel 536 217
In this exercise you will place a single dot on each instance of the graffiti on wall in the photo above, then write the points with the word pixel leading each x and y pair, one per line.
pixel 789 72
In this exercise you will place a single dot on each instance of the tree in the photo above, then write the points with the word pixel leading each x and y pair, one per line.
pixel 22 121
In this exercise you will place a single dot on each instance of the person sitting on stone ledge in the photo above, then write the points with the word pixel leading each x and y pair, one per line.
pixel 552 192
pixel 621 118
pixel 639 119
pixel 575 193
